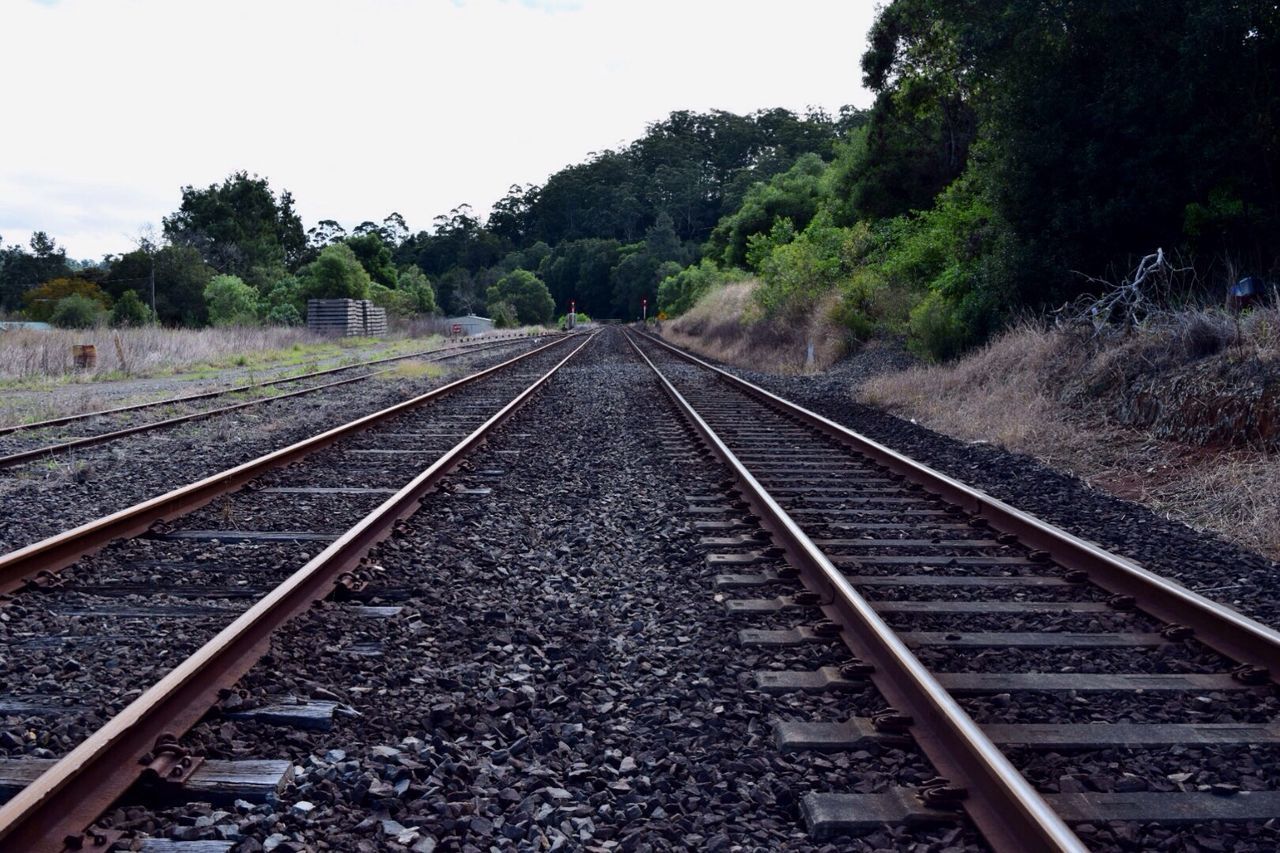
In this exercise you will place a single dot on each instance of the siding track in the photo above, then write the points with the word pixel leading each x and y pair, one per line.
pixel 390 460
pixel 24 443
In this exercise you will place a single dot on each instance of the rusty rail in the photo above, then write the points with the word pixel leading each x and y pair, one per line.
pixel 63 549
pixel 25 456
pixel 67 798
pixel 204 395
pixel 1216 625
pixel 1008 811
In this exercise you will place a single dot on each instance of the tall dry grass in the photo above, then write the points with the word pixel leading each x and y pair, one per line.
pixel 1045 393
pixel 34 354
pixel 726 325
pixel 1007 392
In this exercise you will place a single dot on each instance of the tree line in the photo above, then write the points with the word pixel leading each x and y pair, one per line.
pixel 603 232
pixel 1016 154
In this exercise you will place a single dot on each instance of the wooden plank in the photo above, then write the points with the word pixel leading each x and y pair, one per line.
pixel 311 715
pixel 213 781
pixel 165 845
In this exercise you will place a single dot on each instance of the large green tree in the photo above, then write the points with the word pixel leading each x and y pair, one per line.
pixel 525 292
pixel 375 256
pixel 21 270
pixel 240 227
pixel 335 274
pixel 181 276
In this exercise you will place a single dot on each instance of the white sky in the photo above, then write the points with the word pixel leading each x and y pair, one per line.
pixel 362 107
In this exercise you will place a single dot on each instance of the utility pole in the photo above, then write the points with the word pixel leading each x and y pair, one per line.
pixel 154 315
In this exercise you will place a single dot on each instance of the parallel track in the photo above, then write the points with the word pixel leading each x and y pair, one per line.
pixel 61 447
pixel 68 797
pixel 36 563
pixel 860 522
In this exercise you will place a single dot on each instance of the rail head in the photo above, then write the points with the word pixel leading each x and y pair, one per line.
pixel 71 794
pixel 1232 633
pixel 1008 810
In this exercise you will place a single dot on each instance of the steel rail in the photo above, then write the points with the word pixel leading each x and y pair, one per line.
pixel 25 456
pixel 1007 810
pixel 63 549
pixel 204 395
pixel 1227 631
pixel 38 453
pixel 72 794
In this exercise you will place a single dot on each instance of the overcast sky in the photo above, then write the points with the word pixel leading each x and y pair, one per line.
pixel 362 107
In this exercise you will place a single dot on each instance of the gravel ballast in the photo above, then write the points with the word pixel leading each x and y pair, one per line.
pixel 563 674
pixel 41 499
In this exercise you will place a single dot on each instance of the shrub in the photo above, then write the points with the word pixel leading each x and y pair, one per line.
pixel 796 275
pixel 397 302
pixel 335 274
pixel 503 315
pixel 130 311
pixel 284 315
pixel 76 312
pixel 935 329
pixel 526 294
pixel 43 300
pixel 283 301
pixel 414 282
pixel 231 302
pixel 677 293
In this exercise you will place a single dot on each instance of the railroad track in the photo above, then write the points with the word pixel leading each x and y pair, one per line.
pixel 196 598
pixel 21 444
pixel 1018 658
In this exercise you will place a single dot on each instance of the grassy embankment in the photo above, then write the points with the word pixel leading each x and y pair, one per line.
pixel 726 325
pixel 1182 415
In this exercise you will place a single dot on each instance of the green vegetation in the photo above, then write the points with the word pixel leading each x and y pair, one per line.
pixel 129 311
pixel 76 312
pixel 1011 163
pixel 525 294
pixel 43 302
pixel 231 302
pixel 335 274
pixel 1017 155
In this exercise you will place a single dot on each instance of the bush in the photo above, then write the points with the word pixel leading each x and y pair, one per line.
pixel 397 302
pixel 43 300
pixel 678 293
pixel 503 315
pixel 796 275
pixel 414 282
pixel 76 312
pixel 936 330
pixel 130 311
pixel 282 302
pixel 284 315
pixel 231 302
pixel 526 294
pixel 335 274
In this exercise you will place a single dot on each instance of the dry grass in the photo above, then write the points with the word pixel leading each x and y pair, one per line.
pixel 725 325
pixel 1006 393
pixel 29 354
pixel 413 369
pixel 1039 392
